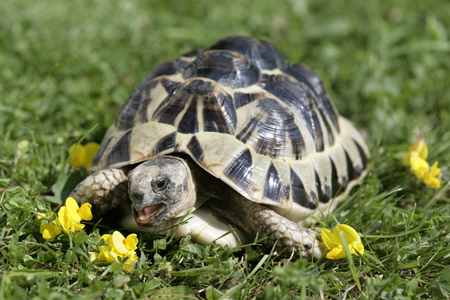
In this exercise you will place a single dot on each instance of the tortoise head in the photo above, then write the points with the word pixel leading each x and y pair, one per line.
pixel 161 189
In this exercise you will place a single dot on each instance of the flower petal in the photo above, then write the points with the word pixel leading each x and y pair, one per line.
pixel 90 150
pixel 128 265
pixel 85 212
pixel 72 204
pixel 434 171
pixel 77 227
pixel 350 234
pixel 93 256
pixel 431 181
pixel 72 210
pixel 418 149
pixel 105 256
pixel 78 157
pixel 336 253
pixel 118 246
pixel 63 219
pixel 423 149
pixel 329 239
pixel 41 215
pixel 358 246
pixel 108 241
pixel 49 231
pixel 419 166
pixel 131 241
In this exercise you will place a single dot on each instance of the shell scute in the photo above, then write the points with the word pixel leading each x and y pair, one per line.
pixel 299 193
pixel 100 152
pixel 272 130
pixel 173 66
pixel 322 169
pixel 303 74
pixel 196 149
pixel 198 105
pixel 240 171
pixel 303 185
pixel 273 188
pixel 276 187
pixel 127 115
pixel 228 68
pixel 165 143
pixel 262 53
pixel 241 99
pixel 121 150
pixel 299 98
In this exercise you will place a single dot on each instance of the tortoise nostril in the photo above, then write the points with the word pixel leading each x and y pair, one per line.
pixel 137 196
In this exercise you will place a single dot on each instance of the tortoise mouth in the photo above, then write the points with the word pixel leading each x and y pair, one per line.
pixel 145 216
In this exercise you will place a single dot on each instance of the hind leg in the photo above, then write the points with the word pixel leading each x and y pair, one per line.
pixel 259 219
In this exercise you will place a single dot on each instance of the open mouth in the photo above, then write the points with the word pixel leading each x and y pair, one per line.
pixel 146 215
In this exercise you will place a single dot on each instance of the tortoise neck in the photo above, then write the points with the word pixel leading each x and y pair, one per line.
pixel 207 186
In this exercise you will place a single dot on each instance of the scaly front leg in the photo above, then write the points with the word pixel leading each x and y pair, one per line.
pixel 104 189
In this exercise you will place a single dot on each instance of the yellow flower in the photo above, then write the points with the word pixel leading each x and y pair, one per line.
pixel 128 265
pixel 418 149
pixel 69 218
pixel 131 241
pixel 430 178
pixel 108 247
pixel 416 158
pixel 82 155
pixel 117 245
pixel 419 166
pixel 333 241
pixel 49 230
pixel 93 256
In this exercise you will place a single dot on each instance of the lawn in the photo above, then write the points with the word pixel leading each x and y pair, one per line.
pixel 68 66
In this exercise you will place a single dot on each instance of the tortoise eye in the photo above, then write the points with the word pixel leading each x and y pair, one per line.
pixel 160 184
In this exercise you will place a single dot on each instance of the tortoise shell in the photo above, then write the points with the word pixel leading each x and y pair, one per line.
pixel 265 126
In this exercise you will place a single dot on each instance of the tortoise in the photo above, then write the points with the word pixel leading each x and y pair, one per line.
pixel 231 137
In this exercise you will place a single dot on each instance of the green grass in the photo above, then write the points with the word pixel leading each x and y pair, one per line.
pixel 67 67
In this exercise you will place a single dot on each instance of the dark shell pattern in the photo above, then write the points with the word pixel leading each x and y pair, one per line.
pixel 265 126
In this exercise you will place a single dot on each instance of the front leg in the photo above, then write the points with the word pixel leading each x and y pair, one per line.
pixel 104 189
pixel 255 218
